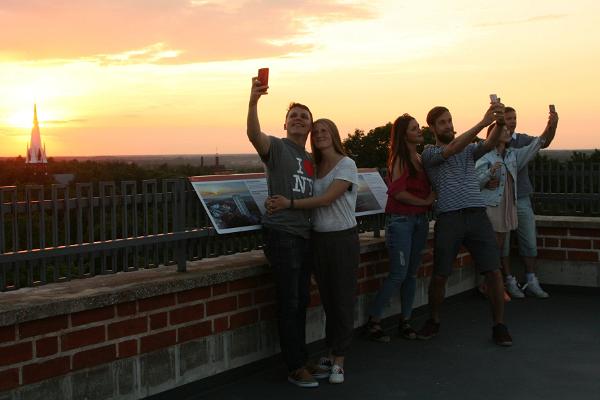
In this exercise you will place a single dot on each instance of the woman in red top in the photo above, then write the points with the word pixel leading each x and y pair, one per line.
pixel 409 199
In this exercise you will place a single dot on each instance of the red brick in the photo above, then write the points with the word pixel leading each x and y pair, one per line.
pixel 369 257
pixel 596 244
pixel 16 353
pixel 193 295
pixel 552 254
pixel 84 337
pixel 186 314
pixel 127 328
pixel 244 300
pixel 220 324
pixel 44 370
pixel 9 379
pixel 550 242
pixel 241 284
pixel 371 270
pixel 46 347
pixel 552 231
pixel 8 333
pixel 43 326
pixel 219 289
pixel 243 318
pixel 583 256
pixel 158 321
pixel 125 309
pixel 268 312
pixel 222 305
pixel 93 357
pixel 194 331
pixel 576 243
pixel 540 242
pixel 154 303
pixel 361 273
pixel 584 232
pixel 157 341
pixel 128 348
pixel 89 316
pixel 266 279
pixel 315 299
pixel 369 286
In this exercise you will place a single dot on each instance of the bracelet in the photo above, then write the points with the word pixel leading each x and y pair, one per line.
pixel 291 207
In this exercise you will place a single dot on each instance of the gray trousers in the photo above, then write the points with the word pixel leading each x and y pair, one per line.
pixel 336 258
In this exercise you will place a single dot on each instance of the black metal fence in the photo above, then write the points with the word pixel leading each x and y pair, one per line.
pixel 57 233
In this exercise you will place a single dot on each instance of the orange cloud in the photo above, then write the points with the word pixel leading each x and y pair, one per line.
pixel 159 32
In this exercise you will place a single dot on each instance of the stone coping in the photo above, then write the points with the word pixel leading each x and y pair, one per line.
pixel 33 303
pixel 550 221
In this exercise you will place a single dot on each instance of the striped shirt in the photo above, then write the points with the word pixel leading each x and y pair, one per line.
pixel 454 178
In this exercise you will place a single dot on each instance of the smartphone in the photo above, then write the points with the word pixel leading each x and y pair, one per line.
pixel 552 108
pixel 263 76
pixel 493 98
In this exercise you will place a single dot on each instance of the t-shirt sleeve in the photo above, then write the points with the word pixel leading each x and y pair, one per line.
pixel 272 158
pixel 432 155
pixel 347 171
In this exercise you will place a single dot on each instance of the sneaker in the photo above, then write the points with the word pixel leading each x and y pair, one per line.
pixel 317 372
pixel 429 330
pixel 374 332
pixel 406 331
pixel 501 336
pixel 325 363
pixel 513 289
pixel 533 289
pixel 337 374
pixel 302 378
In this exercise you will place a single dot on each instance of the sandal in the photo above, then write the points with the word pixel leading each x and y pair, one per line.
pixel 407 331
pixel 373 331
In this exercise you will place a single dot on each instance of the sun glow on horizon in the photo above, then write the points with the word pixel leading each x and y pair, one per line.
pixel 153 89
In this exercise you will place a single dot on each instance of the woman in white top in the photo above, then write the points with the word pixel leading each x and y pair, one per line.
pixel 334 239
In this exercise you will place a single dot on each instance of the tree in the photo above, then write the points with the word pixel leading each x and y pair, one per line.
pixel 369 150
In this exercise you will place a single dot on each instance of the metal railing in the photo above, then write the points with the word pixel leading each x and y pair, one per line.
pixel 565 188
pixel 54 234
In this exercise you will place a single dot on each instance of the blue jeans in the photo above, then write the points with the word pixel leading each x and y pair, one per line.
pixel 290 258
pixel 405 237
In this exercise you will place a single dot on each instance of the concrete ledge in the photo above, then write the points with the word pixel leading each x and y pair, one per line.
pixel 567 222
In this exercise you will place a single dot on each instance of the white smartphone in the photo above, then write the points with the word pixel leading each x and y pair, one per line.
pixel 493 98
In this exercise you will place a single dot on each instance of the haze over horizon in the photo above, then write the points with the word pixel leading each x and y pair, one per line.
pixel 172 77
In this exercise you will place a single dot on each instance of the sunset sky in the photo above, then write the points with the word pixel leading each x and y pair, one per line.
pixel 114 77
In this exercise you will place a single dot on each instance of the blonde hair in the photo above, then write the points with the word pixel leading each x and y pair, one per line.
pixel 335 138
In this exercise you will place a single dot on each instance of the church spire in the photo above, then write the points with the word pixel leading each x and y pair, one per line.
pixel 36 154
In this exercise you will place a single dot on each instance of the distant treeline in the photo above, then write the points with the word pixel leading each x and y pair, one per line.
pixel 16 172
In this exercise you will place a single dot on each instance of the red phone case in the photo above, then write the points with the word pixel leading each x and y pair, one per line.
pixel 263 76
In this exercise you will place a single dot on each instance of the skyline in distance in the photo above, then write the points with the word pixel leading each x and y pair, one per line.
pixel 173 77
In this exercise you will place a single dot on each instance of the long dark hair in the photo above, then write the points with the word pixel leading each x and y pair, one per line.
pixel 335 138
pixel 398 147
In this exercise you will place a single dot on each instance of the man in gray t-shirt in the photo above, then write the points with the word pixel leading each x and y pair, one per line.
pixel 290 173
pixel 461 217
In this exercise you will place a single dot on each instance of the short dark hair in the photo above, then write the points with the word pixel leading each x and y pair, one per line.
pixel 298 105
pixel 434 114
pixel 509 109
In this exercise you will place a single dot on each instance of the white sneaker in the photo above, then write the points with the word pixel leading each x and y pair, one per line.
pixel 533 288
pixel 512 287
pixel 337 374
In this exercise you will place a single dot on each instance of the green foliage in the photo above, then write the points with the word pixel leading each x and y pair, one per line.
pixel 369 150
pixel 582 157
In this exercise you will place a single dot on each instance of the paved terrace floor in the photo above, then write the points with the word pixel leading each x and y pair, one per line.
pixel 556 355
